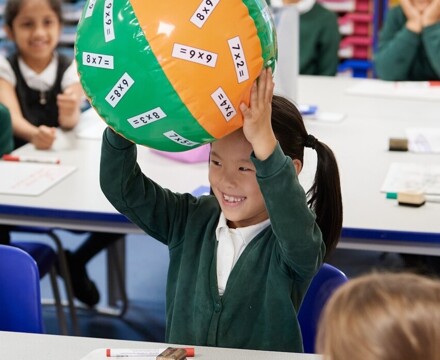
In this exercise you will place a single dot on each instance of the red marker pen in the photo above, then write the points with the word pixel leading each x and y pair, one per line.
pixel 153 353
pixel 25 158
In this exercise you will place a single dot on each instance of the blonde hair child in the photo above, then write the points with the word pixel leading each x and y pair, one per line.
pixel 382 317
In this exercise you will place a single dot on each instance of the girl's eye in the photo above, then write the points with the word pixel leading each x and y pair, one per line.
pixel 244 169
pixel 49 22
pixel 215 162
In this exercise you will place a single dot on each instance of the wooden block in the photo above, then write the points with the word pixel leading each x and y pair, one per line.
pixel 411 198
pixel 172 354
pixel 398 144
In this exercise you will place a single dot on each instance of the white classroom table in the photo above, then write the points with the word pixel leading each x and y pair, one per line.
pixel 77 202
pixel 21 346
pixel 360 142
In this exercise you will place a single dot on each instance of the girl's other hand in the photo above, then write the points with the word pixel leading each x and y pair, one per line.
pixel 413 16
pixel 257 127
pixel 431 15
pixel 68 109
pixel 44 137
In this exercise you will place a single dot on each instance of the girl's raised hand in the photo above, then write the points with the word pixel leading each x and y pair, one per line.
pixel 68 109
pixel 257 127
pixel 413 16
pixel 431 15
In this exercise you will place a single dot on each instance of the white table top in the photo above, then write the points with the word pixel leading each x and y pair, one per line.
pixel 21 346
pixel 77 202
pixel 360 143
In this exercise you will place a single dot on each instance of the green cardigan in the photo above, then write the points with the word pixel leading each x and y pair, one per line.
pixel 259 307
pixel 6 137
pixel 319 39
pixel 405 55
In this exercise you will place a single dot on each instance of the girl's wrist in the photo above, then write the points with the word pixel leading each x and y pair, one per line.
pixel 414 26
pixel 429 20
pixel 28 133
pixel 265 147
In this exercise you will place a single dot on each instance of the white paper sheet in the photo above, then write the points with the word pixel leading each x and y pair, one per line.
pixel 412 177
pixel 31 179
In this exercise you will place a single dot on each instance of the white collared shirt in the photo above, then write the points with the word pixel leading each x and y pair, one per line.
pixel 231 244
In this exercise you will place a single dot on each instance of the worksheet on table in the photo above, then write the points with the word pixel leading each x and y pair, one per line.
pixel 403 177
pixel 31 179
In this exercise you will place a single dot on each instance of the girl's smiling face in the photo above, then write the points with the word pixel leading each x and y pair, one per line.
pixel 232 177
pixel 35 30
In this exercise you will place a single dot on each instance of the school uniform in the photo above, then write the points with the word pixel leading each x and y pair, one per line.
pixel 404 55
pixel 263 292
pixel 37 93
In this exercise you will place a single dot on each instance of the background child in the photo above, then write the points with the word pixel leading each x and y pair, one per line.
pixel 42 91
pixel 409 42
pixel 39 86
pixel 382 317
pixel 241 259
pixel 319 37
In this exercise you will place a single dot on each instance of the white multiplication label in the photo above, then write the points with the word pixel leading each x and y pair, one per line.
pixel 239 59
pixel 147 117
pixel 203 12
pixel 172 135
pixel 193 54
pixel 119 90
pixel 98 60
pixel 223 103
pixel 90 7
pixel 109 31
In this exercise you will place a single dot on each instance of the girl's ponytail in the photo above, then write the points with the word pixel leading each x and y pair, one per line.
pixel 324 196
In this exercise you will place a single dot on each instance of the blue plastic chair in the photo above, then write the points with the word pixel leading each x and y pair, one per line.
pixel 20 298
pixel 325 282
pixel 47 260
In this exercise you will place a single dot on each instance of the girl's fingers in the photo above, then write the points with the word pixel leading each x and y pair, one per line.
pixel 262 83
pixel 254 95
pixel 269 86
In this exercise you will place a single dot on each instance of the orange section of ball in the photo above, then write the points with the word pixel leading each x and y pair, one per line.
pixel 167 26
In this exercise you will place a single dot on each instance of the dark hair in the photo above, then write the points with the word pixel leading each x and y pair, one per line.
pixel 324 196
pixel 13 8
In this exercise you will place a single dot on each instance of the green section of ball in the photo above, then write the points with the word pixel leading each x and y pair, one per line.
pixel 260 13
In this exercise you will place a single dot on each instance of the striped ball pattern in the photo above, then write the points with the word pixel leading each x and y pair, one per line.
pixel 171 74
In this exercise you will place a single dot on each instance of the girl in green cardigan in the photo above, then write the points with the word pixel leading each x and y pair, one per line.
pixel 242 259
pixel 409 42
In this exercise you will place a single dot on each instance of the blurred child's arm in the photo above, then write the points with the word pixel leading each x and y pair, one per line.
pixel 431 34
pixel 397 48
pixel 257 125
pixel 69 106
pixel 42 137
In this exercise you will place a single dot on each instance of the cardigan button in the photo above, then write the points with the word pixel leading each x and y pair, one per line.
pixel 217 307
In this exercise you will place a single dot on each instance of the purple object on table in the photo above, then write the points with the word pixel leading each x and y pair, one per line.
pixel 200 154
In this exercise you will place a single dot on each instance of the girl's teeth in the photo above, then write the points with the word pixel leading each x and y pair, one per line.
pixel 232 198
